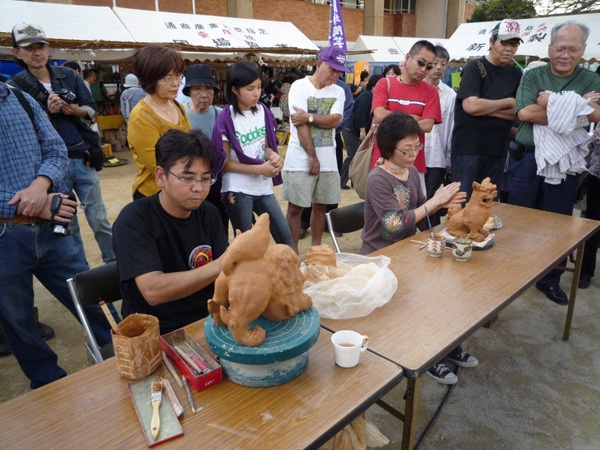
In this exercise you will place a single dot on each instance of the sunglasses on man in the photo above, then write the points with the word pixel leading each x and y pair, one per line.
pixel 424 64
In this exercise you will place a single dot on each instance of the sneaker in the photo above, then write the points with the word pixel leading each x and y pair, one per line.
pixel 463 360
pixel 442 374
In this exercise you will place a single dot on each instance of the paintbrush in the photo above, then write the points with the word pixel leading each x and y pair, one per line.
pixel 189 394
pixel 109 316
pixel 156 400
pixel 169 365
pixel 429 222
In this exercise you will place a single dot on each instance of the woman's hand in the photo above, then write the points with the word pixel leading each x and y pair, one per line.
pixel 268 170
pixel 449 195
pixel 276 161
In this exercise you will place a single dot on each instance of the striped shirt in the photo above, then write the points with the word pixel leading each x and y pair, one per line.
pixel 27 150
pixel 561 146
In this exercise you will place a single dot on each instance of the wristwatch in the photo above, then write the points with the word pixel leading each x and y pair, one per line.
pixel 311 118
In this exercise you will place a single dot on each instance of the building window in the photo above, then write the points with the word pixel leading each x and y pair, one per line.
pixel 399 6
pixel 356 4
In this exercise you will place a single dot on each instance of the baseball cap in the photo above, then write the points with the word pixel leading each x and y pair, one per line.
pixel 26 34
pixel 131 81
pixel 507 29
pixel 335 57
pixel 199 74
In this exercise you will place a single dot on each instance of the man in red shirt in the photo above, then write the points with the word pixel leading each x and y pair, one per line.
pixel 409 94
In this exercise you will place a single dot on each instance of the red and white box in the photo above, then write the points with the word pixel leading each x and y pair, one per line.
pixel 199 382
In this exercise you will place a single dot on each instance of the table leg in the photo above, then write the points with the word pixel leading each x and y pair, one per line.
pixel 410 413
pixel 573 293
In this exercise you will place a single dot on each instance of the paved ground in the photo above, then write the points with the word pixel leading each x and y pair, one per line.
pixel 531 389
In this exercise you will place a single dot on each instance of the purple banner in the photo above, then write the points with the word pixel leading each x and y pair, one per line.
pixel 337 36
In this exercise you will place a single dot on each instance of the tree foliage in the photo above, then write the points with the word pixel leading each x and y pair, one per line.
pixel 567 6
pixel 491 10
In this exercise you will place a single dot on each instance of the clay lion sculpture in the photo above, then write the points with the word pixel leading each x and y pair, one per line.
pixel 257 279
pixel 475 213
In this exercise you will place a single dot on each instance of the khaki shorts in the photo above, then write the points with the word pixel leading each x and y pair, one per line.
pixel 303 189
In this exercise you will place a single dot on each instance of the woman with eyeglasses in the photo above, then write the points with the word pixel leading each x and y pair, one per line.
pixel 246 131
pixel 394 199
pixel 395 206
pixel 159 71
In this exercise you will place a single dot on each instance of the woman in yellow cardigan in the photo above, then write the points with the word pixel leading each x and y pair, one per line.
pixel 159 71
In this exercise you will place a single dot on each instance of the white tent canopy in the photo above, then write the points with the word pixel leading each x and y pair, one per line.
pixel 472 39
pixel 386 49
pixel 88 33
pixel 219 33
pixel 65 22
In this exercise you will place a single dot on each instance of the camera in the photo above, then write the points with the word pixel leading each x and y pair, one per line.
pixel 66 95
pixel 59 229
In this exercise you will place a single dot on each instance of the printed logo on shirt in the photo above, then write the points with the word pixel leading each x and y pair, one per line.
pixel 321 106
pixel 248 141
pixel 252 135
pixel 200 256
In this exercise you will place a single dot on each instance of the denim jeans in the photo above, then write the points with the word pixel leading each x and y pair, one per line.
pixel 240 207
pixel 33 250
pixel 84 180
pixel 470 168
pixel 526 188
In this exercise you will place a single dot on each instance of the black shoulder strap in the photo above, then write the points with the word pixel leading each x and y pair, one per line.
pixel 24 103
pixel 179 106
pixel 216 114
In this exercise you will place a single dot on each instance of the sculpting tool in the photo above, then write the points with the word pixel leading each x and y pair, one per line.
pixel 188 360
pixel 156 400
pixel 170 393
pixel 189 394
pixel 169 365
pixel 195 357
pixel 429 222
pixel 109 316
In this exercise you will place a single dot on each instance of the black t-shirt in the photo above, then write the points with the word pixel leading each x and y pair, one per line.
pixel 476 135
pixel 146 238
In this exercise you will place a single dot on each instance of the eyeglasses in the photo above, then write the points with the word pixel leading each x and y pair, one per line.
pixel 571 51
pixel 424 64
pixel 510 43
pixel 169 80
pixel 190 181
pixel 411 151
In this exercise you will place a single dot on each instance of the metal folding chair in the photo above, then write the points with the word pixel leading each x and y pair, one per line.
pixel 345 220
pixel 90 288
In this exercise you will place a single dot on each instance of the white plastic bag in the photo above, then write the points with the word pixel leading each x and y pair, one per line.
pixel 367 284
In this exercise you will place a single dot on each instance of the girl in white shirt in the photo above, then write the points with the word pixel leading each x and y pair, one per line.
pixel 246 131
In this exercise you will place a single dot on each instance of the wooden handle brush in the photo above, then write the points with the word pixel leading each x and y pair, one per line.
pixel 156 400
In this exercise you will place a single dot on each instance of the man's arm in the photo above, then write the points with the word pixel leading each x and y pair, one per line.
pixel 159 287
pixel 52 170
pixel 325 121
pixel 503 108
pixel 314 167
pixel 85 108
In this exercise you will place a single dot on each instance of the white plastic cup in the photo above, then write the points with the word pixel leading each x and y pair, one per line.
pixel 347 347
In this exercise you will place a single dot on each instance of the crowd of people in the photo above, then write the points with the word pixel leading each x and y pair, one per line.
pixel 201 167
